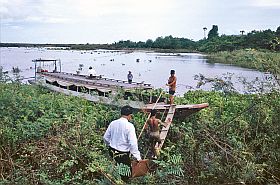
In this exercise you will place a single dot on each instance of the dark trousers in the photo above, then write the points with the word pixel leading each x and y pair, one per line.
pixel 130 81
pixel 121 157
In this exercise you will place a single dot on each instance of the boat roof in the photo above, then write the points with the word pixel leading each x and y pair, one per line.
pixel 68 79
pixel 44 60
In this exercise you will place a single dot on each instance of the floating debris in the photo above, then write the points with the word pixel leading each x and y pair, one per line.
pixel 15 70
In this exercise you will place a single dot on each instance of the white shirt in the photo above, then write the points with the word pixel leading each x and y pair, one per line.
pixel 92 72
pixel 121 136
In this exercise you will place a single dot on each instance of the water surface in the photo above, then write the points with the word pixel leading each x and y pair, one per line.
pixel 152 67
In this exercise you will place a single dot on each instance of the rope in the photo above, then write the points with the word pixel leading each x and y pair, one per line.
pixel 149 116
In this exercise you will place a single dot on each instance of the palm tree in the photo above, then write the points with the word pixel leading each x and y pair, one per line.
pixel 204 29
pixel 242 32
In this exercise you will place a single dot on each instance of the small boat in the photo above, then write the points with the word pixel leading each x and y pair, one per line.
pixel 182 111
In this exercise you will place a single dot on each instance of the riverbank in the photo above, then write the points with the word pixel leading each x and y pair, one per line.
pixel 265 61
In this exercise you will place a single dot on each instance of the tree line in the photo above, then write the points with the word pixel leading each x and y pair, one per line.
pixel 264 39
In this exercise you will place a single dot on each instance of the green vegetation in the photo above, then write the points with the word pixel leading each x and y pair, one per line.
pixel 265 61
pixel 50 138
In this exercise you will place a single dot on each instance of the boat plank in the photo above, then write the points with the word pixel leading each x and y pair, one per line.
pixel 164 131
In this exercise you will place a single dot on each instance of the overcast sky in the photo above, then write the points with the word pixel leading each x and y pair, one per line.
pixel 107 21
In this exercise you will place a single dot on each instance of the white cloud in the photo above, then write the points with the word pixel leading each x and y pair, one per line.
pixel 131 7
pixel 267 3
pixel 113 20
pixel 16 27
pixel 11 9
pixel 63 10
pixel 32 11
pixel 46 19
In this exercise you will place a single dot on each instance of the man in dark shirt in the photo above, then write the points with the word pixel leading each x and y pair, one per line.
pixel 129 77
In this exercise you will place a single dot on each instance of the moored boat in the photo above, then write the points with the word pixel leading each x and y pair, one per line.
pixel 105 90
pixel 96 88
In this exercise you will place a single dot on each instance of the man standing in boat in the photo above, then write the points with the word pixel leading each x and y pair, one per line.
pixel 121 138
pixel 91 72
pixel 129 77
pixel 172 86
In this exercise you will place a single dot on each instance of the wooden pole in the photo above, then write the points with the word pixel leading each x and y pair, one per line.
pixel 149 116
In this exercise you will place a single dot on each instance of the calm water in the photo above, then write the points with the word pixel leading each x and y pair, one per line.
pixel 152 67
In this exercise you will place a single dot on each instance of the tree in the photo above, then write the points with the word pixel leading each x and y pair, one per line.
pixel 149 43
pixel 259 39
pixel 278 32
pixel 204 29
pixel 275 44
pixel 242 32
pixel 213 32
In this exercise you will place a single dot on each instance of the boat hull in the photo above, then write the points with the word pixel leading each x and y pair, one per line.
pixel 182 111
pixel 93 98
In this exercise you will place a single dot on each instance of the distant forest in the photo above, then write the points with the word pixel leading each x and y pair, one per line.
pixel 266 39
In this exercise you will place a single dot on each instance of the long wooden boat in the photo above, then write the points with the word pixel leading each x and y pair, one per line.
pixel 105 90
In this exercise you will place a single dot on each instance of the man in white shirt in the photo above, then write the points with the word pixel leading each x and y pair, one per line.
pixel 91 72
pixel 121 138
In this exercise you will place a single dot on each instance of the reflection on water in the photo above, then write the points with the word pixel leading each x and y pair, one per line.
pixel 149 67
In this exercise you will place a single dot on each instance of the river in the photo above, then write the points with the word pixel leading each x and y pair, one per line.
pixel 149 67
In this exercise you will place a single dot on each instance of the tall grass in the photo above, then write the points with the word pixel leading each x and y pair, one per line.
pixel 50 138
pixel 266 61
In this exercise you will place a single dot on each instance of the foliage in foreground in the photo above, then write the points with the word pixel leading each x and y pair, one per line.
pixel 50 138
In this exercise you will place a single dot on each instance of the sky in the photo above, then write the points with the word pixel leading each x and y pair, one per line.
pixel 108 21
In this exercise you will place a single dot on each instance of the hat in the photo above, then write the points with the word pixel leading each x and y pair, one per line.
pixel 172 71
